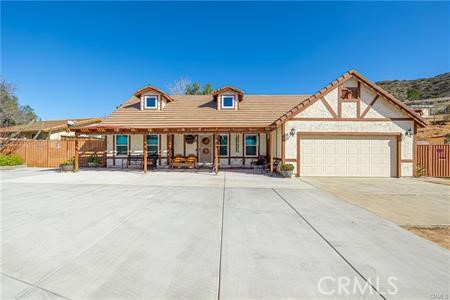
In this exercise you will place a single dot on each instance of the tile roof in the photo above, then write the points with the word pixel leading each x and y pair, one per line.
pixel 194 111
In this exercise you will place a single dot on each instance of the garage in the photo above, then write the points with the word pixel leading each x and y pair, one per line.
pixel 348 155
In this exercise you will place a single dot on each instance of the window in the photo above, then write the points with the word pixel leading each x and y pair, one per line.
pixel 223 145
pixel 251 143
pixel 151 101
pixel 152 144
pixel 227 101
pixel 122 144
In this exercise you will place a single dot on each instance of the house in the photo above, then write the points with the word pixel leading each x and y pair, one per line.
pixel 50 129
pixel 351 127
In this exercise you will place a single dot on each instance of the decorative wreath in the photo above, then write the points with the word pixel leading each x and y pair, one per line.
pixel 205 141
pixel 190 139
pixel 205 150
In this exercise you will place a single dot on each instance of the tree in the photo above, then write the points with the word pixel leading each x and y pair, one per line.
pixel 413 94
pixel 207 89
pixel 11 112
pixel 180 86
pixel 194 89
pixel 183 86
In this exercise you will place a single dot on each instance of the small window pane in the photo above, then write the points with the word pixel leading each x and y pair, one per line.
pixel 223 151
pixel 228 101
pixel 152 150
pixel 152 144
pixel 250 150
pixel 122 150
pixel 152 139
pixel 122 140
pixel 223 140
pixel 150 102
pixel 250 140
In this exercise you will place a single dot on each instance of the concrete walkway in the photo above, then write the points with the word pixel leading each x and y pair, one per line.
pixel 128 235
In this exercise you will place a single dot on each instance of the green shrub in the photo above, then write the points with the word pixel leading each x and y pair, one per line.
pixel 287 167
pixel 94 159
pixel 67 162
pixel 11 160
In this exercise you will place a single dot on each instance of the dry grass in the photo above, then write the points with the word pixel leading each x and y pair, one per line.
pixel 439 234
pixel 434 134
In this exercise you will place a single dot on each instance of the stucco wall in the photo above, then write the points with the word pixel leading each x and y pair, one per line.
pixel 58 135
pixel 382 109
pixel 353 126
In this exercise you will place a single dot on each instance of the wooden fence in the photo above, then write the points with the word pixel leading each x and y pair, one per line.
pixel 50 154
pixel 433 160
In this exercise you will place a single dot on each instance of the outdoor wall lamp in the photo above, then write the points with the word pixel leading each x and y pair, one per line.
pixel 292 132
pixel 408 132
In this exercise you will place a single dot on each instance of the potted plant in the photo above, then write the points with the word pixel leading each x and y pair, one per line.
pixel 67 166
pixel 93 161
pixel 286 170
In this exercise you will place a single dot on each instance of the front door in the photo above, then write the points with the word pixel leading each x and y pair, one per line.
pixel 205 147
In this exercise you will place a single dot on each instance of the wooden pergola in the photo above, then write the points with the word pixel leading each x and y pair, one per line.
pixel 109 129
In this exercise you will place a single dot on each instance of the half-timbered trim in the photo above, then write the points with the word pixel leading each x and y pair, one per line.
pixel 328 107
pixel 338 84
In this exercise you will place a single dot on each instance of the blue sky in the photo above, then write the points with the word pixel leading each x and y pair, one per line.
pixel 82 59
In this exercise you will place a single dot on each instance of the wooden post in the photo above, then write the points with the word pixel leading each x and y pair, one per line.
pixel 76 162
pixel 271 152
pixel 144 151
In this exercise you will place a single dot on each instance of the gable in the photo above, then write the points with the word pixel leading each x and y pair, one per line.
pixel 352 97
pixel 317 110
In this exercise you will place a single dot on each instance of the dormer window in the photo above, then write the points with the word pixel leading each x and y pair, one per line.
pixel 151 102
pixel 228 101
pixel 228 98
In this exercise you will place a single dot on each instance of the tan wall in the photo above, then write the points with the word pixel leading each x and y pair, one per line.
pixel 191 149
pixel 178 144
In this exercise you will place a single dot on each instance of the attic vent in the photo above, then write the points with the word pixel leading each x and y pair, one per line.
pixel 349 93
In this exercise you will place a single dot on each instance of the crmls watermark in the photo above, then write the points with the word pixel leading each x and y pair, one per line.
pixel 356 286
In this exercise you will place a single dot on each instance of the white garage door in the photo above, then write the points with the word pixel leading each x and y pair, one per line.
pixel 357 156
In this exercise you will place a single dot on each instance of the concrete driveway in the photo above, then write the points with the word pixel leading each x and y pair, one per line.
pixel 169 235
pixel 404 201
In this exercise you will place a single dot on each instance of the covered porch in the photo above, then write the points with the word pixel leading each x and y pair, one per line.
pixel 182 148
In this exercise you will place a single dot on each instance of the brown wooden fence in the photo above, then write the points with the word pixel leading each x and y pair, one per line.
pixel 50 154
pixel 433 160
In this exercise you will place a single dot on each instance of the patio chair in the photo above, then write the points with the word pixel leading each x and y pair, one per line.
pixel 191 161
pixel 152 161
pixel 259 165
pixel 133 160
pixel 275 165
pixel 178 161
